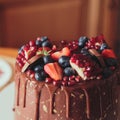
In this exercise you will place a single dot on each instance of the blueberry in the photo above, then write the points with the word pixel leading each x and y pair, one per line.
pixel 111 62
pixel 103 46
pixel 38 68
pixel 68 71
pixel 37 62
pixel 107 72
pixel 40 76
pixel 64 61
pixel 38 43
pixel 47 59
pixel 82 40
pixel 44 38
pixel 46 43
pixel 84 51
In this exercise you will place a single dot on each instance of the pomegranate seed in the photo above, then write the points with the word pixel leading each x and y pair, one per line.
pixel 20 56
pixel 38 38
pixel 32 43
pixel 57 83
pixel 20 64
pixel 99 77
pixel 63 42
pixel 65 78
pixel 77 62
pixel 88 74
pixel 78 79
pixel 64 83
pixel 32 75
pixel 54 48
pixel 48 80
pixel 72 78
pixel 29 72
pixel 27 47
pixel 22 53
pixel 71 83
pixel 24 61
pixel 88 69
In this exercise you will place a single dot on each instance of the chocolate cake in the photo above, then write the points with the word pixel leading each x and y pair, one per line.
pixel 77 80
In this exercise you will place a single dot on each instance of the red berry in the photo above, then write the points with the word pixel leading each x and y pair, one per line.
pixel 57 83
pixel 64 83
pixel 32 43
pixel 65 78
pixel 71 83
pixel 78 79
pixel 72 77
pixel 108 53
pixel 48 80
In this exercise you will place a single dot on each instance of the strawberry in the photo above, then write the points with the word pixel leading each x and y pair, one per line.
pixel 108 53
pixel 53 70
pixel 64 52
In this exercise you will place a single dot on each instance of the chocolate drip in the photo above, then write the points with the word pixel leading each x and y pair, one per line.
pixel 37 107
pixel 67 102
pixel 24 97
pixel 38 94
pixel 87 104
pixel 52 91
pixel 17 91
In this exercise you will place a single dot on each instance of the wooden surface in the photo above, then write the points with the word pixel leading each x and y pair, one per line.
pixel 8 52
pixel 9 55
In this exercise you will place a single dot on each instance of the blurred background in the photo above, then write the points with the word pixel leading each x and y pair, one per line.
pixel 24 20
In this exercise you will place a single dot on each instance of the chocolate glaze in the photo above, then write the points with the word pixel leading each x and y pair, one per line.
pixel 92 100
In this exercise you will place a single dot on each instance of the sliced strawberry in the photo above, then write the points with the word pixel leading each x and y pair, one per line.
pixel 64 52
pixel 53 70
pixel 108 53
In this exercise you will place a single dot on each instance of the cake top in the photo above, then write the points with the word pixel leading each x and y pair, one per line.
pixel 67 63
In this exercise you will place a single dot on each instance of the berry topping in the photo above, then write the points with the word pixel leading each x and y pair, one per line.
pixel 44 38
pixel 53 70
pixel 103 46
pixel 64 52
pixel 46 43
pixel 40 76
pixel 68 71
pixel 70 63
pixel 95 42
pixel 108 53
pixel 38 68
pixel 85 51
pixel 85 66
pixel 82 40
pixel 38 43
pixel 47 59
pixel 64 61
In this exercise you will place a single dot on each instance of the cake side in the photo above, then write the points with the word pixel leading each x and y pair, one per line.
pixel 93 100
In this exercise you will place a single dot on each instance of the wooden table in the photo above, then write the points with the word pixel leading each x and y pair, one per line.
pixel 9 55
pixel 11 52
